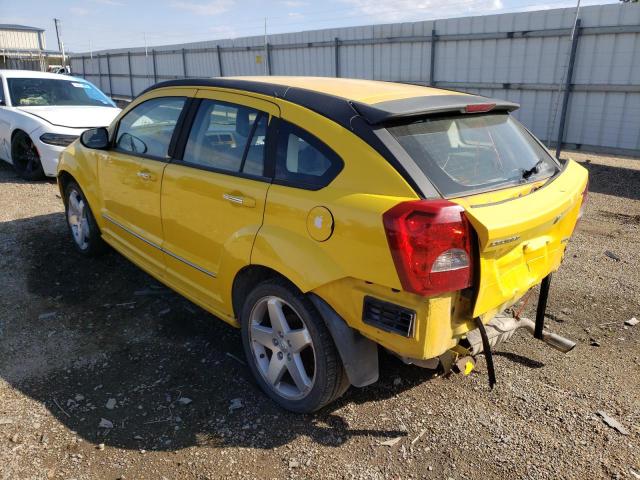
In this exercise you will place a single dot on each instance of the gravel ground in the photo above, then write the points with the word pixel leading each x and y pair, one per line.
pixel 105 374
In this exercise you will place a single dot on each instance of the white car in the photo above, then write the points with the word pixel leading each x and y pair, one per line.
pixel 42 113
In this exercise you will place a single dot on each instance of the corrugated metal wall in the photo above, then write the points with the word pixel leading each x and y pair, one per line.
pixel 522 57
pixel 19 39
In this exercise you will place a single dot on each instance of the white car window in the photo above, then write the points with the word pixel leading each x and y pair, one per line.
pixel 31 92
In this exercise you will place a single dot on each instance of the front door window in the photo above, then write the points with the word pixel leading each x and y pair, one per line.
pixel 147 129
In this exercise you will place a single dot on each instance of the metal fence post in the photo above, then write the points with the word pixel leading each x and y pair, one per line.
pixel 432 63
pixel 155 71
pixel 130 74
pixel 99 72
pixel 568 86
pixel 84 74
pixel 184 63
pixel 219 60
pixel 336 51
pixel 268 59
pixel 109 75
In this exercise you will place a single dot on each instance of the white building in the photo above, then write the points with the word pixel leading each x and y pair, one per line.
pixel 23 47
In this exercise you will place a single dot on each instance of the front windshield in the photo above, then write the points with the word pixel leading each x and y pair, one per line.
pixel 36 92
pixel 466 153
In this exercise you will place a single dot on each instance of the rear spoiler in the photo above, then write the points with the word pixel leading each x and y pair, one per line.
pixel 408 108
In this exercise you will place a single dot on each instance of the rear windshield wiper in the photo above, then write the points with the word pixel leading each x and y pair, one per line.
pixel 527 173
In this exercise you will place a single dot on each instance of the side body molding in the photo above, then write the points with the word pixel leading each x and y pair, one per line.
pixel 359 354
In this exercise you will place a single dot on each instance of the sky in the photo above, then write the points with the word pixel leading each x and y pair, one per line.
pixel 92 25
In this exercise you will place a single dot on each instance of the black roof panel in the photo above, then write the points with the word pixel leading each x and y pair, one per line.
pixel 342 110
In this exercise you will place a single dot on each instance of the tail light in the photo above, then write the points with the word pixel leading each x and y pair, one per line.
pixel 430 243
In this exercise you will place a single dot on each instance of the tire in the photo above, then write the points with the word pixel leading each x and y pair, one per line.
pixel 83 228
pixel 275 357
pixel 25 157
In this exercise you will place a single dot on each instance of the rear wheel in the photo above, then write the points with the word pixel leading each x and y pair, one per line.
pixel 82 225
pixel 289 349
pixel 25 157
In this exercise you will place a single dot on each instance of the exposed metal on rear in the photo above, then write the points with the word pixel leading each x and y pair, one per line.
pixel 501 328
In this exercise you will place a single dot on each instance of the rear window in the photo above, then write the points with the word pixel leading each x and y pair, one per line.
pixel 467 153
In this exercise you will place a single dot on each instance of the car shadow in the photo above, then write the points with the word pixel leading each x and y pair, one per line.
pixel 616 181
pixel 9 175
pixel 522 360
pixel 121 360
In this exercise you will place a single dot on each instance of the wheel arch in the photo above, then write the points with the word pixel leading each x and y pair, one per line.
pixel 78 166
pixel 64 177
pixel 17 130
pixel 26 124
pixel 247 278
pixel 358 354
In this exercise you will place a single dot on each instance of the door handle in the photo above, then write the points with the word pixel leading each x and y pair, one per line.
pixel 144 175
pixel 239 200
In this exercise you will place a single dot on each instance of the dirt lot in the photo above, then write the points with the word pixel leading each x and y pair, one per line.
pixel 90 343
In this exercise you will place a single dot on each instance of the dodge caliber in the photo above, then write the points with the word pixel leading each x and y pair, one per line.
pixel 330 218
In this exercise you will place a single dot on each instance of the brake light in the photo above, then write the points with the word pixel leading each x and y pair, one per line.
pixel 430 243
pixel 479 107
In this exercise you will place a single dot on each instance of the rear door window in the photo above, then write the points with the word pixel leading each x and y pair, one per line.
pixel 147 129
pixel 469 153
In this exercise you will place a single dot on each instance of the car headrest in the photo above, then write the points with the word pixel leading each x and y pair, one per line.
pixel 243 125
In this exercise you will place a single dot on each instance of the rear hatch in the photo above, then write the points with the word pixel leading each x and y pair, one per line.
pixel 521 240
pixel 521 202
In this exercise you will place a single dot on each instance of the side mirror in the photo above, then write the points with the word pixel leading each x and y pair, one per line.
pixel 97 138
pixel 131 143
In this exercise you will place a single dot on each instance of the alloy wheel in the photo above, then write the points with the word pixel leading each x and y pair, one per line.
pixel 282 348
pixel 77 218
pixel 26 158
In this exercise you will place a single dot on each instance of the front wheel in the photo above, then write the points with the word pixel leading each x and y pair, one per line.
pixel 289 348
pixel 25 157
pixel 82 225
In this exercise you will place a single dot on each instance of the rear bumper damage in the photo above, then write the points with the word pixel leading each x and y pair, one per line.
pixel 500 329
pixel 359 354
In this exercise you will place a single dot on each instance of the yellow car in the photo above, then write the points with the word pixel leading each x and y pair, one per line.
pixel 329 217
